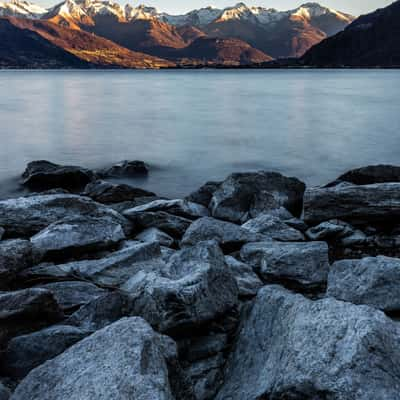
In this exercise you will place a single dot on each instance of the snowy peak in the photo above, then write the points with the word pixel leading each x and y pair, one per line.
pixel 21 9
pixel 315 10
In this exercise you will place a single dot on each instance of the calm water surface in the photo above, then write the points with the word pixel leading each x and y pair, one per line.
pixel 194 126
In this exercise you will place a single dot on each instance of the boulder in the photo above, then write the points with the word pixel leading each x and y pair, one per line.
pixel 245 195
pixel 26 352
pixel 204 194
pixel 374 281
pixel 229 236
pixel 70 295
pixel 126 169
pixel 171 224
pixel 194 288
pixel 155 235
pixel 26 216
pixel 334 229
pixel 15 256
pixel 273 228
pixel 355 204
pixel 73 236
pixel 294 348
pixel 247 280
pixel 372 174
pixel 109 193
pixel 303 265
pixel 126 360
pixel 43 175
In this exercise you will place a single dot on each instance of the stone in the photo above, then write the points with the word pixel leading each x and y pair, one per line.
pixel 293 348
pixel 70 295
pixel 247 280
pixel 330 230
pixel 372 174
pixel 109 193
pixel 15 256
pixel 44 175
pixel 182 208
pixel 194 288
pixel 303 264
pixel 273 228
pixel 73 236
pixel 374 281
pixel 26 216
pixel 229 236
pixel 352 203
pixel 26 352
pixel 155 235
pixel 245 195
pixel 204 194
pixel 126 360
pixel 126 169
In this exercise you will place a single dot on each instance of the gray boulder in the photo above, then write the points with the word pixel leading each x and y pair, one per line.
pixel 294 348
pixel 274 228
pixel 109 193
pixel 155 235
pixel 125 169
pixel 15 256
pixel 374 281
pixel 352 203
pixel 229 236
pixel 245 195
pixel 126 360
pixel 334 229
pixel 74 236
pixel 44 175
pixel 204 194
pixel 26 352
pixel 304 264
pixel 25 216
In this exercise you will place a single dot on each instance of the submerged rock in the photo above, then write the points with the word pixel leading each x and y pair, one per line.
pixel 294 348
pixel 126 169
pixel 43 175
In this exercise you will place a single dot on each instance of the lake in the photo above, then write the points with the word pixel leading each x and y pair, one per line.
pixel 197 125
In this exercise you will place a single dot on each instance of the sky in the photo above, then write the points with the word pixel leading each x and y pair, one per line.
pixel 355 7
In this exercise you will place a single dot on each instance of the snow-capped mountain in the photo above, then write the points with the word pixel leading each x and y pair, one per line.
pixel 21 9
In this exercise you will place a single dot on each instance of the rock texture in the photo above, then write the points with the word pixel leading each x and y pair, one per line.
pixel 126 169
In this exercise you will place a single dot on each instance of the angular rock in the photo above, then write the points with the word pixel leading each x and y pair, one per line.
pixel 155 235
pixel 25 216
pixel 355 204
pixel 304 264
pixel 26 352
pixel 194 288
pixel 273 228
pixel 126 169
pixel 229 236
pixel 245 195
pixel 109 193
pixel 330 230
pixel 297 224
pixel 15 256
pixel 374 281
pixel 372 174
pixel 294 348
pixel 71 295
pixel 126 360
pixel 74 236
pixel 204 194
pixel 247 280
pixel 43 175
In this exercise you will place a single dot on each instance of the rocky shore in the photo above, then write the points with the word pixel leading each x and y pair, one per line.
pixel 252 288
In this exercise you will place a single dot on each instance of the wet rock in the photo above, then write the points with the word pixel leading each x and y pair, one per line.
pixel 171 224
pixel 299 264
pixel 126 169
pixel 15 256
pixel 372 174
pixel 352 203
pixel 229 236
pixel 109 193
pixel 204 194
pixel 330 230
pixel 273 228
pixel 26 352
pixel 374 281
pixel 43 175
pixel 126 360
pixel 294 348
pixel 247 280
pixel 155 235
pixel 245 195
pixel 26 216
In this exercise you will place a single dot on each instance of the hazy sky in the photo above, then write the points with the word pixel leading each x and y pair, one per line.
pixel 354 7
